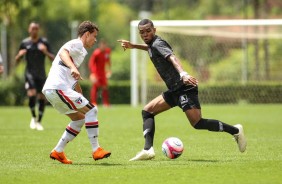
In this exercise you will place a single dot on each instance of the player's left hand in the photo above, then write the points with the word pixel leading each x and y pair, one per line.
pixel 109 74
pixel 93 78
pixel 42 48
pixel 188 79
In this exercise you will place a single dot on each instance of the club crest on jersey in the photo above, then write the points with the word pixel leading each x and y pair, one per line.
pixel 183 99
pixel 78 101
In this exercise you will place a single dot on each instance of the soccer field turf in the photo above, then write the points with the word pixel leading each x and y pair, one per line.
pixel 208 157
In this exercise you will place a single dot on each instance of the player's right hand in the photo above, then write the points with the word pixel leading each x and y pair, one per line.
pixel 22 52
pixel 125 44
pixel 75 74
pixel 188 79
pixel 93 78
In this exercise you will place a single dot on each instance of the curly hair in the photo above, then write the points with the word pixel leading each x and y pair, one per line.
pixel 86 26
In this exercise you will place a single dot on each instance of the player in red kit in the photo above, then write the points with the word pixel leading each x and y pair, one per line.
pixel 99 66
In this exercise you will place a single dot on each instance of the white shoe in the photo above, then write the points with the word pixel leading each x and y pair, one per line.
pixel 32 124
pixel 39 126
pixel 144 155
pixel 240 138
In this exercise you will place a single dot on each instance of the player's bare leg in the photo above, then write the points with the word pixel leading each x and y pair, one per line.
pixel 153 108
pixel 195 118
pixel 31 93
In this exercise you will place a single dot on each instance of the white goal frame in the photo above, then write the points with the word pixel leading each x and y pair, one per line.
pixel 181 23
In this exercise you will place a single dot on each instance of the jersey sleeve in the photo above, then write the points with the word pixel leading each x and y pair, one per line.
pixel 73 48
pixel 22 46
pixel 163 48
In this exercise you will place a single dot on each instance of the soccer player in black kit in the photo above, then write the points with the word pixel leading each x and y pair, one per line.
pixel 35 48
pixel 182 91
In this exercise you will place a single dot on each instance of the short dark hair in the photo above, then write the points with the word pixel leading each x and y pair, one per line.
pixel 86 26
pixel 145 21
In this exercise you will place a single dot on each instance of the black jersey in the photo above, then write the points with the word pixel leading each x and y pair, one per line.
pixel 35 59
pixel 159 50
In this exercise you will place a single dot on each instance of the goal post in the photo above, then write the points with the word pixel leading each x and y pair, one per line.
pixel 228 37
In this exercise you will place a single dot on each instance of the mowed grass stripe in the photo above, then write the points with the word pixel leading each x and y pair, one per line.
pixel 208 157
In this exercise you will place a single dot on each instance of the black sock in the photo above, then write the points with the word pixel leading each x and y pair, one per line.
pixel 31 104
pixel 216 126
pixel 41 108
pixel 148 129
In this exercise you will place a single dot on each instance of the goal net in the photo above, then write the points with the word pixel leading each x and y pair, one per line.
pixel 232 59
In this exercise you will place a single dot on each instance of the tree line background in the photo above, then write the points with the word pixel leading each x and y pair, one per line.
pixel 113 17
pixel 58 19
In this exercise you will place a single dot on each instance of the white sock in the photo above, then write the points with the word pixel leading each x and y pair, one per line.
pixel 72 130
pixel 92 128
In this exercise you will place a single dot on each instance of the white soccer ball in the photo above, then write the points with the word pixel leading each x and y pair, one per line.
pixel 172 147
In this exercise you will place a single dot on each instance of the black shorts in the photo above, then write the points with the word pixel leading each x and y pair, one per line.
pixel 32 82
pixel 185 97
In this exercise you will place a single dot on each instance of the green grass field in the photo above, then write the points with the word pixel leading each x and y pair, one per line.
pixel 208 157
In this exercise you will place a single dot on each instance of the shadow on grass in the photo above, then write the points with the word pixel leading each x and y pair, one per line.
pixel 203 160
pixel 97 164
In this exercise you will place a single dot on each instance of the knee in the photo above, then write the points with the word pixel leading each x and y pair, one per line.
pixel 78 124
pixel 31 92
pixel 92 112
pixel 200 124
pixel 146 115
pixel 194 119
pixel 194 122
pixel 148 109
pixel 91 115
pixel 41 96
pixel 77 117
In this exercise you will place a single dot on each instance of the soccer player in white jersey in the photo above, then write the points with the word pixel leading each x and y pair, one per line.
pixel 63 91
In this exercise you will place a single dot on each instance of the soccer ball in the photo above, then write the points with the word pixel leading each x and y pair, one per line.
pixel 172 147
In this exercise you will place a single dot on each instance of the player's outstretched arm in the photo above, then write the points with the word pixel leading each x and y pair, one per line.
pixel 66 58
pixel 128 45
pixel 187 79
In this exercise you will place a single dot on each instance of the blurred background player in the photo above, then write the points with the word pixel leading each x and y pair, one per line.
pixel 99 66
pixel 182 91
pixel 35 48
pixel 63 91
pixel 1 65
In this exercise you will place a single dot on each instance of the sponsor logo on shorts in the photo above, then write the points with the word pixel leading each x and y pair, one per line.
pixel 78 101
pixel 183 99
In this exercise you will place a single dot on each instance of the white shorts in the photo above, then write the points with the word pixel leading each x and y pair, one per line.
pixel 66 101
